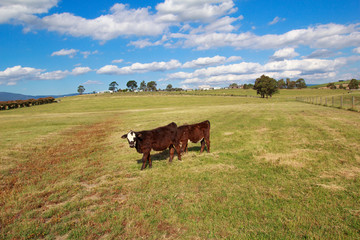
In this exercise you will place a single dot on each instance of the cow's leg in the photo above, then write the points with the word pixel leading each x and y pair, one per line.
pixel 208 144
pixel 202 145
pixel 178 150
pixel 144 159
pixel 172 151
pixel 150 162
pixel 186 146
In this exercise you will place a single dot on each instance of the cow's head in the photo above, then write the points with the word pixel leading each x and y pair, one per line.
pixel 131 137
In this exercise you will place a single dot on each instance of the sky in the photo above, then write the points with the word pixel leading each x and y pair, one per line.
pixel 53 46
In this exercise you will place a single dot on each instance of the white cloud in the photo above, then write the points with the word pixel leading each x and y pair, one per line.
pixel 12 75
pixel 276 20
pixel 356 50
pixel 139 68
pixel 80 70
pixel 23 10
pixel 65 52
pixel 321 53
pixel 91 82
pixel 321 36
pixel 248 71
pixel 285 53
pixel 122 21
pixel 88 53
pixel 200 10
pixel 117 61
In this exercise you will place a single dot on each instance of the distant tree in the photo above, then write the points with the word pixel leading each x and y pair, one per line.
pixel 354 84
pixel 248 86
pixel 132 85
pixel 233 85
pixel 265 86
pixel 342 86
pixel 113 86
pixel 290 84
pixel 151 86
pixel 331 86
pixel 300 83
pixel 143 86
pixel 281 84
pixel 81 89
pixel 169 87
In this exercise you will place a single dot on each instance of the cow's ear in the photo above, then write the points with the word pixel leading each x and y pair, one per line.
pixel 124 136
pixel 139 135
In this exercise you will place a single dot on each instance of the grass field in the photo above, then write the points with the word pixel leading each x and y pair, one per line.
pixel 278 169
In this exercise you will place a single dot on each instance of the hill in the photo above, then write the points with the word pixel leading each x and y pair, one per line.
pixel 6 96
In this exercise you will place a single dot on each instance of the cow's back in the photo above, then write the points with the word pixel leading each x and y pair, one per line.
pixel 199 131
pixel 159 138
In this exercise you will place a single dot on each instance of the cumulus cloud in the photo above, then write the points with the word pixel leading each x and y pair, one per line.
pixel 139 68
pixel 356 50
pixel 201 10
pixel 248 71
pixel 23 10
pixel 285 53
pixel 80 70
pixel 321 36
pixel 122 21
pixel 12 75
pixel 65 52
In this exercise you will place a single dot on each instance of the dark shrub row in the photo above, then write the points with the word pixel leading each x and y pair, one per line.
pixel 25 103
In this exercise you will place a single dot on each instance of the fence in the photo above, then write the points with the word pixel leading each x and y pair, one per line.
pixel 348 102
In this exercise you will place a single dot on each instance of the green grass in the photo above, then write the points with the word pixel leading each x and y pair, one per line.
pixel 278 169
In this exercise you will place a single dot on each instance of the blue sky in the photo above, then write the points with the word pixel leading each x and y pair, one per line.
pixel 53 46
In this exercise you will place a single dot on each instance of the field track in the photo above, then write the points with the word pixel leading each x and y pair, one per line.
pixel 278 169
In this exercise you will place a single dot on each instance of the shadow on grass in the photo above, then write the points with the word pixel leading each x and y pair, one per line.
pixel 165 155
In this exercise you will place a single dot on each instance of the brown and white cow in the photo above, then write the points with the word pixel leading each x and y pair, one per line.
pixel 194 133
pixel 157 139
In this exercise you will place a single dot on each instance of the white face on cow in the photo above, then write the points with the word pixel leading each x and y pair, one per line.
pixel 131 137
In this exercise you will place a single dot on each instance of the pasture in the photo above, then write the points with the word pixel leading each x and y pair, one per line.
pixel 278 169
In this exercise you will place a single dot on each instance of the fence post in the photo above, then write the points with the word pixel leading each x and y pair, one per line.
pixel 320 100
pixel 325 101
pixel 353 102
pixel 333 101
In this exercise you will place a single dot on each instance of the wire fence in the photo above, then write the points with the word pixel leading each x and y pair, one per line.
pixel 343 102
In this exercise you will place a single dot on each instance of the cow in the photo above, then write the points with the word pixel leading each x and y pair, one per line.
pixel 194 133
pixel 157 139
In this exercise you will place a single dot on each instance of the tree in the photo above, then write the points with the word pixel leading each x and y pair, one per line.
pixel 169 87
pixel 281 84
pixel 300 83
pixel 290 84
pixel 143 86
pixel 265 86
pixel 248 86
pixel 132 85
pixel 354 84
pixel 112 86
pixel 233 85
pixel 81 89
pixel 331 86
pixel 151 86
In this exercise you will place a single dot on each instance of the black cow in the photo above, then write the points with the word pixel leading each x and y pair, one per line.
pixel 194 133
pixel 157 139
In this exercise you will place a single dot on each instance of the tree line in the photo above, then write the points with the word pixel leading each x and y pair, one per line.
pixel 6 105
